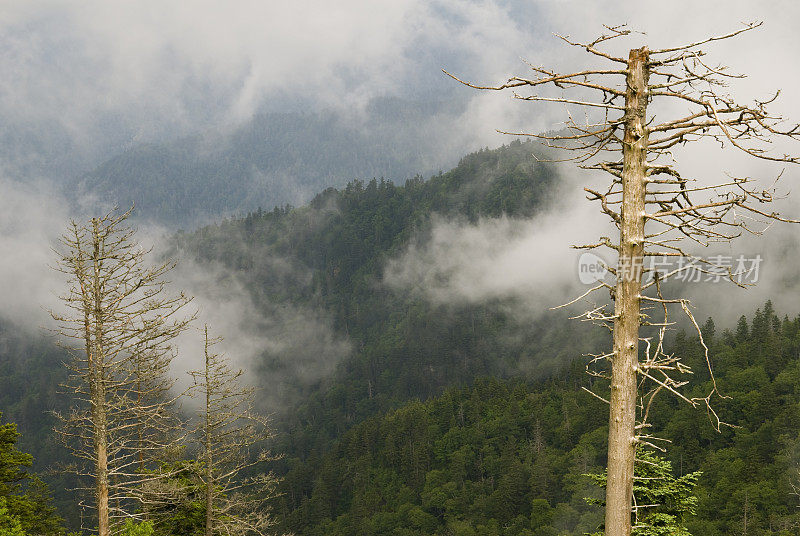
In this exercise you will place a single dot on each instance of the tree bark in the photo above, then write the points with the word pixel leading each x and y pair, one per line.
pixel 98 391
pixel 622 418
pixel 208 446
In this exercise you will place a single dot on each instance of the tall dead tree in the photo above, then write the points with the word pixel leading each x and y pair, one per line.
pixel 230 436
pixel 123 321
pixel 657 210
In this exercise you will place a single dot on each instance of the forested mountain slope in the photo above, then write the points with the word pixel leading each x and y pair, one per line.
pixel 31 373
pixel 394 472
pixel 507 458
pixel 403 346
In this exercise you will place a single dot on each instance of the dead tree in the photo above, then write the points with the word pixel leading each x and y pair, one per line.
pixel 657 210
pixel 122 320
pixel 230 436
pixel 158 432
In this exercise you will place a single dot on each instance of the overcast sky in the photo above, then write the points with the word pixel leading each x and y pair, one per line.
pixel 82 80
pixel 85 79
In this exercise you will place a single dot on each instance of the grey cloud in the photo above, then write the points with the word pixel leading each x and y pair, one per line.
pixel 101 76
pixel 135 71
pixel 291 346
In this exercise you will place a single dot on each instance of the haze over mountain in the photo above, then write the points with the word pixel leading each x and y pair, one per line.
pixel 87 82
pixel 277 159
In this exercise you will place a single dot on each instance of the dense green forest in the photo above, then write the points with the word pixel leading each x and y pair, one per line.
pixel 408 350
pixel 31 372
pixel 438 422
pixel 404 346
pixel 509 457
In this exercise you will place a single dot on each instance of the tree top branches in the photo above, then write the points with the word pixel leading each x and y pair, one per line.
pixel 657 210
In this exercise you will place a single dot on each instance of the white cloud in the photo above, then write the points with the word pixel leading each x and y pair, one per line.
pixel 82 75
pixel 529 261
pixel 30 221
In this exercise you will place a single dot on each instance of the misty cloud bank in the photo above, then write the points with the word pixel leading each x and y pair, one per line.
pixel 531 266
pixel 86 81
pixel 291 346
pixel 295 344
pixel 30 222
pixel 280 158
pixel 529 261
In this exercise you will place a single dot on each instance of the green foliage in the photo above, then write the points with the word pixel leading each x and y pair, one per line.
pixel 401 439
pixel 666 501
pixel 10 524
pixel 36 510
pixel 511 455
pixel 332 256
pixel 407 349
pixel 24 500
pixel 654 483
pixel 30 372
pixel 496 458
pixel 184 516
pixel 133 528
pixel 12 461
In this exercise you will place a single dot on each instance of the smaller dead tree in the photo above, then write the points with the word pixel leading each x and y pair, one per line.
pixel 122 320
pixel 230 437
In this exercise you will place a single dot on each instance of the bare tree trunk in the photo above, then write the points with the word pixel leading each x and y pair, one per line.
pixel 99 394
pixel 208 450
pixel 229 432
pixel 625 361
pixel 103 528
pixel 117 306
